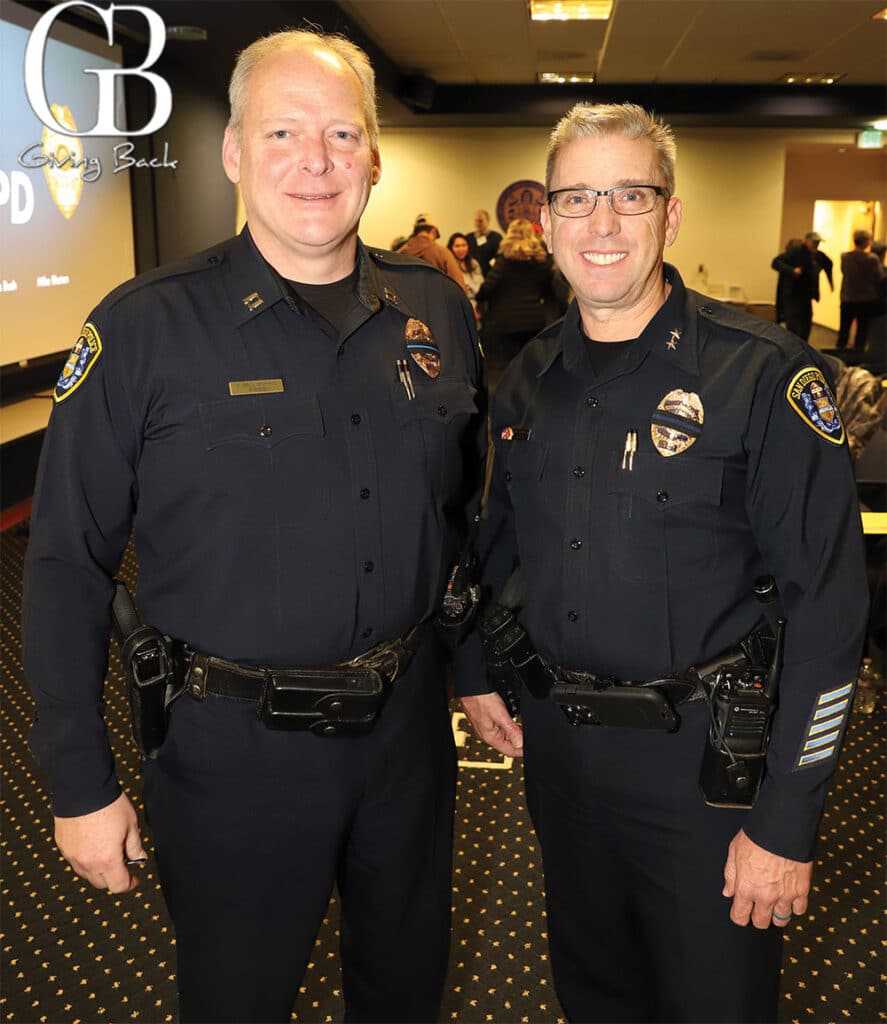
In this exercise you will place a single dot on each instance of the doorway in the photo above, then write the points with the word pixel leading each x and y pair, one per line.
pixel 836 220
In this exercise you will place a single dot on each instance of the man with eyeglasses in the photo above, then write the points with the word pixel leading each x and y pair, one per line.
pixel 655 453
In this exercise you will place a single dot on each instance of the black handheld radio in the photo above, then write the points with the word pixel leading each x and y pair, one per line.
pixel 741 686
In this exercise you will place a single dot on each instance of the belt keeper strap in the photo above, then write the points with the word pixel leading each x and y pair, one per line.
pixel 263 695
pixel 196 680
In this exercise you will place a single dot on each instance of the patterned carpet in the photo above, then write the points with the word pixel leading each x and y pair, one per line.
pixel 71 954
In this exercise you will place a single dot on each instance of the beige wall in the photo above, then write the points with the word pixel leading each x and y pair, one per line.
pixel 450 173
pixel 823 172
pixel 731 182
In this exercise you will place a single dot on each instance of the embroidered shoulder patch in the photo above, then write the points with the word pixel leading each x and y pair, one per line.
pixel 84 355
pixel 811 398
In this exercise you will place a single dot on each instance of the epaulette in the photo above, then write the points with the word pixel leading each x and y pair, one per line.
pixel 398 259
pixel 208 259
pixel 745 325
pixel 387 258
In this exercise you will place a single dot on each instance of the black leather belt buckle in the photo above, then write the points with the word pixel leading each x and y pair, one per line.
pixel 329 702
pixel 626 707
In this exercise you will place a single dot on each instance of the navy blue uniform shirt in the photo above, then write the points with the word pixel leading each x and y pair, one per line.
pixel 299 521
pixel 644 566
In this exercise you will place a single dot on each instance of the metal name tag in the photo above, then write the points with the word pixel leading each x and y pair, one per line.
pixel 255 387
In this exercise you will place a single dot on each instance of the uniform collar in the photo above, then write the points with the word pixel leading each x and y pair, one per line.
pixel 256 286
pixel 671 335
pixel 376 288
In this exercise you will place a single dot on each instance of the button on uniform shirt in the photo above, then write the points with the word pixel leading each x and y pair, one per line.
pixel 639 565
pixel 291 504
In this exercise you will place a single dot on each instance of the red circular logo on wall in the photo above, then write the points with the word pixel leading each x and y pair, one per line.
pixel 520 199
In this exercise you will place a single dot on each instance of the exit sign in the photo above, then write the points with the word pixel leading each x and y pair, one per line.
pixel 871 138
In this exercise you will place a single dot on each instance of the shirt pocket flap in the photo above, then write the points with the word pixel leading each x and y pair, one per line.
pixel 658 480
pixel 260 420
pixel 694 480
pixel 440 401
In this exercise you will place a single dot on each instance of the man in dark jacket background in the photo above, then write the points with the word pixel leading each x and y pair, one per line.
pixel 483 244
pixel 802 265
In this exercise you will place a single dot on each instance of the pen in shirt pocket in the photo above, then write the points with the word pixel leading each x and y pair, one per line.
pixel 405 377
pixel 628 452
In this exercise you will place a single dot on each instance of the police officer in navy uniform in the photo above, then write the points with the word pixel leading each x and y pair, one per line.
pixel 294 422
pixel 655 452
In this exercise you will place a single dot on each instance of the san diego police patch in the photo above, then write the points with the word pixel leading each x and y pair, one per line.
pixel 811 398
pixel 86 351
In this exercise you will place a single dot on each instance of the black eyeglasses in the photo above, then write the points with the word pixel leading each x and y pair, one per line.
pixel 626 200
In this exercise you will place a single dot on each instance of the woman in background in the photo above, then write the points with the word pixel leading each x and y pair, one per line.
pixel 471 272
pixel 515 297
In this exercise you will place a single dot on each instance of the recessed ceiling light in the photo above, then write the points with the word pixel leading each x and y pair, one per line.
pixel 570 10
pixel 564 77
pixel 812 77
pixel 880 15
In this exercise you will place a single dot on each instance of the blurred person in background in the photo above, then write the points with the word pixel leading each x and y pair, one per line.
pixel 483 243
pixel 802 265
pixel 515 296
pixel 861 277
pixel 423 244
pixel 876 348
pixel 472 275
pixel 784 281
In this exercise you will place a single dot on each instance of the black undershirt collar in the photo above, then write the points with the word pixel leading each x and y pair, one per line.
pixel 602 354
pixel 332 302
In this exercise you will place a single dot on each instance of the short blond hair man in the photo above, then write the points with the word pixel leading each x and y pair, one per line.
pixel 294 424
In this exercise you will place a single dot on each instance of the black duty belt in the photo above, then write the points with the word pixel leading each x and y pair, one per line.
pixel 590 699
pixel 342 699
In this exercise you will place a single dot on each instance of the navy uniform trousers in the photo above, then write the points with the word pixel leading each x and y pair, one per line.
pixel 252 828
pixel 633 860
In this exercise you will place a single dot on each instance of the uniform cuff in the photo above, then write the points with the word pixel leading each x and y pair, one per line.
pixel 76 758
pixel 784 824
